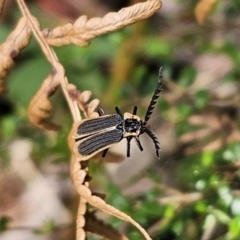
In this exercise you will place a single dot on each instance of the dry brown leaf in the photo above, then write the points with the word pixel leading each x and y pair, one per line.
pixel 82 98
pixel 82 31
pixel 98 227
pixel 180 198
pixel 209 120
pixel 203 8
pixel 195 135
pixel 216 132
pixel 40 107
pixel 1 6
pixel 91 108
pixel 11 48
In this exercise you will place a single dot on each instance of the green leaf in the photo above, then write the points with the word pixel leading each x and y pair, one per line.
pixel 232 153
pixel 221 216
pixel 201 206
pixel 151 208
pixel 187 76
pixel 235 207
pixel 234 228
pixel 158 48
pixel 201 98
pixel 184 111
pixel 4 221
pixel 47 228
pixel 207 158
pixel 210 221
pixel 25 80
pixel 178 227
pixel 135 235
pixel 225 195
pixel 169 211
pixel 8 127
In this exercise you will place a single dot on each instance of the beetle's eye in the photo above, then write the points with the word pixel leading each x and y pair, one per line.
pixel 132 125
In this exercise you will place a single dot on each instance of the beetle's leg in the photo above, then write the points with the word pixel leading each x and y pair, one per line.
pixel 128 146
pixel 105 152
pixel 101 112
pixel 118 111
pixel 153 136
pixel 138 143
pixel 135 110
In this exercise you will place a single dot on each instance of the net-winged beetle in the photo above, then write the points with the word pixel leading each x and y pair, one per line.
pixel 99 134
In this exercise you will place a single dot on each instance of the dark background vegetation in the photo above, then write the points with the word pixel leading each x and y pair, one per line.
pixel 193 191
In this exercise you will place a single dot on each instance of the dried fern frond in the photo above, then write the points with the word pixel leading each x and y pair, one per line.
pixel 203 8
pixel 79 173
pixel 1 6
pixel 81 220
pixel 40 107
pixel 96 226
pixel 11 48
pixel 82 31
pixel 78 176
pixel 82 98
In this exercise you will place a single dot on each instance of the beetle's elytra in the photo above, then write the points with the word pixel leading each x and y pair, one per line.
pixel 99 134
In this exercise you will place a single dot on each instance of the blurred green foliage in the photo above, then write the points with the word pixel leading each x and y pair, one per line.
pixel 4 221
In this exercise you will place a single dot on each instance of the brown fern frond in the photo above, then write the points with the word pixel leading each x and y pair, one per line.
pixel 202 9
pixel 81 219
pixel 1 6
pixel 78 176
pixel 11 48
pixel 78 171
pixel 40 107
pixel 82 31
pixel 96 226
pixel 82 98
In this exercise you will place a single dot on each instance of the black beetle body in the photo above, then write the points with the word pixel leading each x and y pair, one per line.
pixel 99 134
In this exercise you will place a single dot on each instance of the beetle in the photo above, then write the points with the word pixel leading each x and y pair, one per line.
pixel 94 135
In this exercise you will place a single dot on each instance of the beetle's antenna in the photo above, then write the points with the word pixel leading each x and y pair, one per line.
pixel 135 110
pixel 153 136
pixel 154 97
pixel 128 146
pixel 100 111
pixel 138 143
pixel 118 111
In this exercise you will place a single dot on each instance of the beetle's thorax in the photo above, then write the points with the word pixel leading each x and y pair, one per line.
pixel 132 125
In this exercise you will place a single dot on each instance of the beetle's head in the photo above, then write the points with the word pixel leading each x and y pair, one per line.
pixel 132 125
